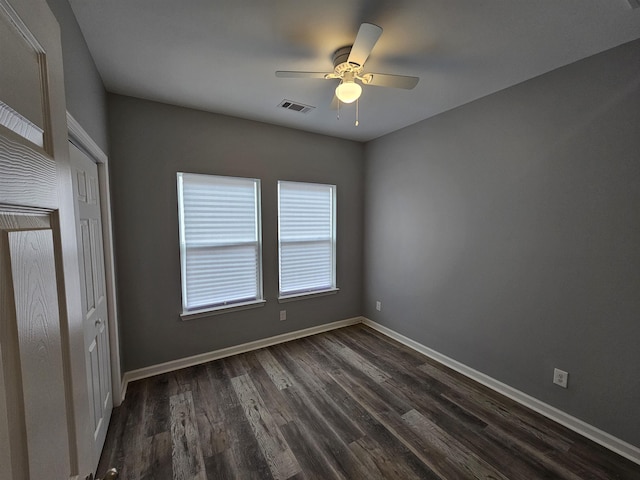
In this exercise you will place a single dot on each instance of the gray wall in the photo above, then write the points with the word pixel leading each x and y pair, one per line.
pixel 506 234
pixel 150 142
pixel 86 96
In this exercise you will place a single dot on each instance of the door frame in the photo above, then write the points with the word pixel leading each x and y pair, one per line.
pixel 81 139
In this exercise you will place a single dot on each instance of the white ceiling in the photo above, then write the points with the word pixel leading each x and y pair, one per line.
pixel 221 55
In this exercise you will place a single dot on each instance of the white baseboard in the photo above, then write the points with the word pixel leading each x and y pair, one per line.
pixel 173 365
pixel 603 438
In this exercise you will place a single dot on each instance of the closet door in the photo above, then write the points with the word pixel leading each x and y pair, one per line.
pixel 94 295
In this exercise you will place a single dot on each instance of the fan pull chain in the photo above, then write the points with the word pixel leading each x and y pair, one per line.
pixel 338 116
pixel 357 109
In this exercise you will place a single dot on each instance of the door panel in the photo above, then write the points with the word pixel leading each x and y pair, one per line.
pixel 86 273
pixel 94 305
pixel 23 108
pixel 32 383
pixel 39 344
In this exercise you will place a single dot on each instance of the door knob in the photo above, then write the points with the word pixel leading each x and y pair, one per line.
pixel 112 474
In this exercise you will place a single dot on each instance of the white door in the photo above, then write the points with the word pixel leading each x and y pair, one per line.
pixel 44 416
pixel 92 281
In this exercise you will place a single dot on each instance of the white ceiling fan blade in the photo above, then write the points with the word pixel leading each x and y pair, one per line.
pixel 396 81
pixel 285 74
pixel 366 39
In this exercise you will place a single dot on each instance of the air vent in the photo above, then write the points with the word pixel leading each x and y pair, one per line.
pixel 296 107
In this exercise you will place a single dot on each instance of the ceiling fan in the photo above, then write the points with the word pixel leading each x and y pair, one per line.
pixel 348 66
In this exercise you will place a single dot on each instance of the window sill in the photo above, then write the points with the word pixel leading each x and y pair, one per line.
pixel 305 295
pixel 222 309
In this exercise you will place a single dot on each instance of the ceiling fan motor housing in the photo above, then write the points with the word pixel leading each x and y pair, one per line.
pixel 342 66
pixel 341 56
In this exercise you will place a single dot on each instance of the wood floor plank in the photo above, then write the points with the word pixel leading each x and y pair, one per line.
pixel 280 459
pixel 473 466
pixel 135 465
pixel 324 430
pixel 272 395
pixel 332 344
pixel 346 404
pixel 365 456
pixel 351 378
pixel 157 415
pixel 239 452
pixel 380 460
pixel 322 418
pixel 598 463
pixel 277 374
pixel 362 340
pixel 389 395
pixel 186 453
pixel 159 462
pixel 537 456
pixel 375 402
pixel 316 462
pixel 470 433
pixel 390 456
pixel 316 392
pixel 210 418
pixel 502 420
pixel 500 410
pixel 220 464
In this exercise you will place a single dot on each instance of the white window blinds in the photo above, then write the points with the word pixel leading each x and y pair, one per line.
pixel 306 237
pixel 219 240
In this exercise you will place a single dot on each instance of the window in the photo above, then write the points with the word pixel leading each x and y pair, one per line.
pixel 220 249
pixel 306 238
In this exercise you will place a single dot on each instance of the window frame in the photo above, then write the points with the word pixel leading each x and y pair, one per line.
pixel 230 305
pixel 311 292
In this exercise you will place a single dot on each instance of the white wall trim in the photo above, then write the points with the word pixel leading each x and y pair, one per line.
pixel 80 138
pixel 589 431
pixel 173 365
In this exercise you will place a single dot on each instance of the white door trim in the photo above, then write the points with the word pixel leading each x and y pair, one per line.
pixel 81 139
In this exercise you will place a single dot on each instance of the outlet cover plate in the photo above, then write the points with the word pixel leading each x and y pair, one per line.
pixel 560 377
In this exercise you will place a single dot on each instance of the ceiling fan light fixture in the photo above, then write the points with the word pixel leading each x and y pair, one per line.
pixel 348 91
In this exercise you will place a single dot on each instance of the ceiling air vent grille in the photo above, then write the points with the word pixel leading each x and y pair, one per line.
pixel 296 107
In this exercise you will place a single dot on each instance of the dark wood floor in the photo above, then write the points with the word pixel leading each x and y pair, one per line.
pixel 349 404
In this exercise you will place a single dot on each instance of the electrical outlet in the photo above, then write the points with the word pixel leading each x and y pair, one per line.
pixel 283 315
pixel 560 377
pixel 378 305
